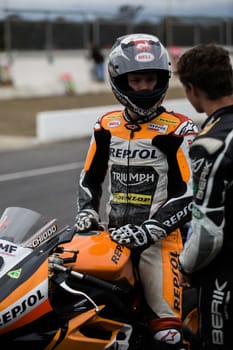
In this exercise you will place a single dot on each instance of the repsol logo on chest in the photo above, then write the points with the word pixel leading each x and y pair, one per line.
pixel 117 253
pixel 176 286
pixel 21 308
pixel 135 153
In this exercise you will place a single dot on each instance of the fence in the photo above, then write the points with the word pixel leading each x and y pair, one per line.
pixel 60 33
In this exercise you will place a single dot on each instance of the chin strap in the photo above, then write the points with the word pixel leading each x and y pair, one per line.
pixel 139 119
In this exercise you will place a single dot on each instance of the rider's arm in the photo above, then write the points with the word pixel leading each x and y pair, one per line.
pixel 94 171
pixel 176 211
pixel 208 205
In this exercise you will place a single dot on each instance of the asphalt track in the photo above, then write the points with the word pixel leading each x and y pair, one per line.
pixel 43 178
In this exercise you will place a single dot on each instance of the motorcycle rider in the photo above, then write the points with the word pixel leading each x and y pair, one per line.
pixel 206 74
pixel 144 148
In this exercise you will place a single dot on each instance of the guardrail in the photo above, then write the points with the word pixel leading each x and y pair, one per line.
pixel 78 123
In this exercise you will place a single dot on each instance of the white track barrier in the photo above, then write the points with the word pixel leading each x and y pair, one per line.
pixel 78 123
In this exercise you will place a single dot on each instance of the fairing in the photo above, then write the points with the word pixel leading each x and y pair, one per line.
pixel 26 239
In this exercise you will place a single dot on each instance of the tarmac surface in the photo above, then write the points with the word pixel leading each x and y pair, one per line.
pixel 8 143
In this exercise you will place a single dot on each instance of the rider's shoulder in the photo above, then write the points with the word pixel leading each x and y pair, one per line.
pixel 111 115
pixel 179 123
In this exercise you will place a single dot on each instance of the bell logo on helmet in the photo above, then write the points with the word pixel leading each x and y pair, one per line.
pixel 144 57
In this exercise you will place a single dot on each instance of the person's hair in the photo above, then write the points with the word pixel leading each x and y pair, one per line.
pixel 208 68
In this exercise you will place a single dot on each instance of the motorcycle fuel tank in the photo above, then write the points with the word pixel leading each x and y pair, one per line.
pixel 100 256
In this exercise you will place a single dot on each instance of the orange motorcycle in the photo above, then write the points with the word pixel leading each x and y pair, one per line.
pixel 62 290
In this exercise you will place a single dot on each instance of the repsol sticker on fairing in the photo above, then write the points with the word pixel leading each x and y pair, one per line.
pixel 24 305
pixel 117 253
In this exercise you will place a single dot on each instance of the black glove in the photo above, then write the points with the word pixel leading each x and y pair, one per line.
pixel 87 220
pixel 133 236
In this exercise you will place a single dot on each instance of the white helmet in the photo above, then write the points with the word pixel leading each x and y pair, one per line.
pixel 139 53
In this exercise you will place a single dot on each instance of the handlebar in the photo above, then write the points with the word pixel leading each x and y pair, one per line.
pixel 87 278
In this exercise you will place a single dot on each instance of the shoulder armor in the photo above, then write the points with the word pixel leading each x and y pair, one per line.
pixel 105 118
pixel 186 127
pixel 211 145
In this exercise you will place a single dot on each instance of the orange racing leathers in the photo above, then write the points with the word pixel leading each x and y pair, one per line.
pixel 149 178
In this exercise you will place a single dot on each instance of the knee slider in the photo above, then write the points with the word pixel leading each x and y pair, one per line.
pixel 166 330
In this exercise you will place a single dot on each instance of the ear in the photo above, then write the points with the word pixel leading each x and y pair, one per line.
pixel 191 89
pixel 189 86
pixel 196 91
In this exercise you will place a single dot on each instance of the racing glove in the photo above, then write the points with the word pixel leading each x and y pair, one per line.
pixel 133 236
pixel 86 220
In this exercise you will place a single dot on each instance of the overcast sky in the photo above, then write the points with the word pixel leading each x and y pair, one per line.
pixel 161 7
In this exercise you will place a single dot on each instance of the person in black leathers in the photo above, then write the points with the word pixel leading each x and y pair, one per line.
pixel 207 256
